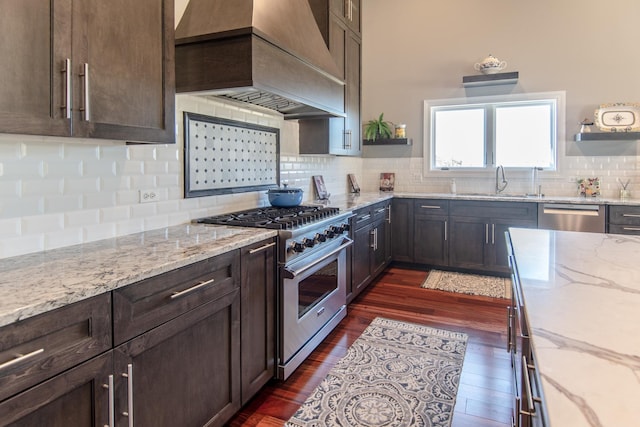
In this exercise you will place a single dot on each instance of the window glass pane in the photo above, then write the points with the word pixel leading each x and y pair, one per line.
pixel 523 135
pixel 458 137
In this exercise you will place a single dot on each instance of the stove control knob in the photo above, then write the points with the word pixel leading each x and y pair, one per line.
pixel 338 229
pixel 320 237
pixel 296 247
pixel 345 226
pixel 329 233
pixel 308 242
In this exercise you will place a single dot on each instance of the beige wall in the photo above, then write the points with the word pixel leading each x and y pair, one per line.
pixel 415 50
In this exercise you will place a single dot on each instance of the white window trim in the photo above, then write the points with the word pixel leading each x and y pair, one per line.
pixel 559 96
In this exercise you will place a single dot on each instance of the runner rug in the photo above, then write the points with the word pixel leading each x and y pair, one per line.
pixel 473 284
pixel 395 374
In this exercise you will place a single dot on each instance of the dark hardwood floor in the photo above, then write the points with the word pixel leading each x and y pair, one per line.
pixel 484 396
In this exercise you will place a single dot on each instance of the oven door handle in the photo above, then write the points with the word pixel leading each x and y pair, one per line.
pixel 289 274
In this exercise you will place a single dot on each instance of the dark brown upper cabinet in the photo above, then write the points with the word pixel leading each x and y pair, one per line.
pixel 89 69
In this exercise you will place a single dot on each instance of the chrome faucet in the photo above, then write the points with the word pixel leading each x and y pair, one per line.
pixel 500 186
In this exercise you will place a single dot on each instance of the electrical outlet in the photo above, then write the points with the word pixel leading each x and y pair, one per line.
pixel 147 196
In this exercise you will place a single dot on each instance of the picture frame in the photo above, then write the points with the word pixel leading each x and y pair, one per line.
pixel 355 188
pixel 321 189
pixel 387 181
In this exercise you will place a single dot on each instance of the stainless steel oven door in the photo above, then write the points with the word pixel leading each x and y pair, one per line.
pixel 312 303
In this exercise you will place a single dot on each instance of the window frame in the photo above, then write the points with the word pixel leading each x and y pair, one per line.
pixel 488 103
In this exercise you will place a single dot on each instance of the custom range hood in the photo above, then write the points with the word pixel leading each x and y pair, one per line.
pixel 265 52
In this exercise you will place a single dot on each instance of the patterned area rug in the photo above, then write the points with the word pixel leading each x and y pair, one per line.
pixel 473 284
pixel 395 374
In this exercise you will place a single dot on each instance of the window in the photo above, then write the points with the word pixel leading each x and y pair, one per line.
pixel 517 131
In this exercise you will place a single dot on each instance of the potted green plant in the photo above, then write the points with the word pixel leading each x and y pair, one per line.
pixel 378 129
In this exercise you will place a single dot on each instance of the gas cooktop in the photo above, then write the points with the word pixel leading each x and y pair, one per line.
pixel 273 217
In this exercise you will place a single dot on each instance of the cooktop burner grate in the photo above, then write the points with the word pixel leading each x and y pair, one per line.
pixel 272 217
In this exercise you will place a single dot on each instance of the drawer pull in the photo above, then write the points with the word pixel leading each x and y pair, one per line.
pixel 528 389
pixel 129 376
pixel 109 387
pixel 21 358
pixel 262 248
pixel 364 218
pixel 632 215
pixel 178 294
pixel 430 207
pixel 631 228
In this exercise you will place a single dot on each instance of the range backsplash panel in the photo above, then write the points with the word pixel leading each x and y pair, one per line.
pixel 225 156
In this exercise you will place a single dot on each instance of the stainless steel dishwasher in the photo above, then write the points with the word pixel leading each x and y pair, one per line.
pixel 571 217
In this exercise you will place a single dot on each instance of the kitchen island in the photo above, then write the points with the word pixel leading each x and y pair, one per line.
pixel 580 296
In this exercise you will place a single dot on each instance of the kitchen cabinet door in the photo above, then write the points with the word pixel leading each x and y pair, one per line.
pixel 34 79
pixel 349 11
pixel 185 372
pixel 352 94
pixel 123 62
pixel 468 238
pixel 361 260
pixel 380 247
pixel 431 244
pixel 258 316
pixel 402 230
pixel 78 397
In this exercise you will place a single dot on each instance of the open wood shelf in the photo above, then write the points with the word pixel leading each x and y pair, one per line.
pixel 387 141
pixel 607 136
pixel 490 79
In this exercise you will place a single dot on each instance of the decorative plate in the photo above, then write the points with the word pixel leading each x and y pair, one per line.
pixel 618 117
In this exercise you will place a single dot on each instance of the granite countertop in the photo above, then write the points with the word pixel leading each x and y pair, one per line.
pixel 581 295
pixel 36 283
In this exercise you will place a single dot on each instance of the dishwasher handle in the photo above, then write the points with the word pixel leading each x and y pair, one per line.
pixel 570 209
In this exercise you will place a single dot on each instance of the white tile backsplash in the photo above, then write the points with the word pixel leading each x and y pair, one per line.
pixel 57 192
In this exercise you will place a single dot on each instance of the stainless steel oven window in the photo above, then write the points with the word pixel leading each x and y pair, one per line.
pixel 313 289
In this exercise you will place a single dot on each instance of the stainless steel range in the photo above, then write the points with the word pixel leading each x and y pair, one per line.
pixel 312 243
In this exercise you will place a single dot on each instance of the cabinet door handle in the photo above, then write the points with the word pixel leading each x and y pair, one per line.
pixel 486 234
pixel 632 215
pixel 445 230
pixel 631 228
pixel 528 390
pixel 493 234
pixel 178 294
pixel 509 331
pixel 372 239
pixel 262 248
pixel 20 358
pixel 129 376
pixel 389 214
pixel 66 99
pixel 430 207
pixel 109 386
pixel 85 96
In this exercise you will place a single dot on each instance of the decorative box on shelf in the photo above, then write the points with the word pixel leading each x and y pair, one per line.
pixel 387 141
pixel 490 79
pixel 607 136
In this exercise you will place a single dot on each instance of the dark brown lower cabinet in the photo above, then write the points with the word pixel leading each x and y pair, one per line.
pixel 185 372
pixel 78 398
pixel 257 316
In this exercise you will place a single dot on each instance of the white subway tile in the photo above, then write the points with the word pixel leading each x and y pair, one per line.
pixel 81 218
pixel 21 245
pixel 21 169
pixel 114 184
pixel 10 188
pixel 60 204
pixel 24 206
pixel 62 169
pixel 142 152
pixel 60 239
pixel 168 152
pixel 135 225
pixel 113 152
pixel 143 181
pixel 102 199
pixel 98 168
pixel 80 152
pixel 127 197
pixel 41 223
pixel 143 210
pixel 91 233
pixel 31 187
pixel 81 186
pixel 9 227
pixel 155 222
pixel 115 214
pixel 156 167
pixel 42 151
pixel 130 167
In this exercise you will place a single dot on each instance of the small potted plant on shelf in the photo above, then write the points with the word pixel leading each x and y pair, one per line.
pixel 379 128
